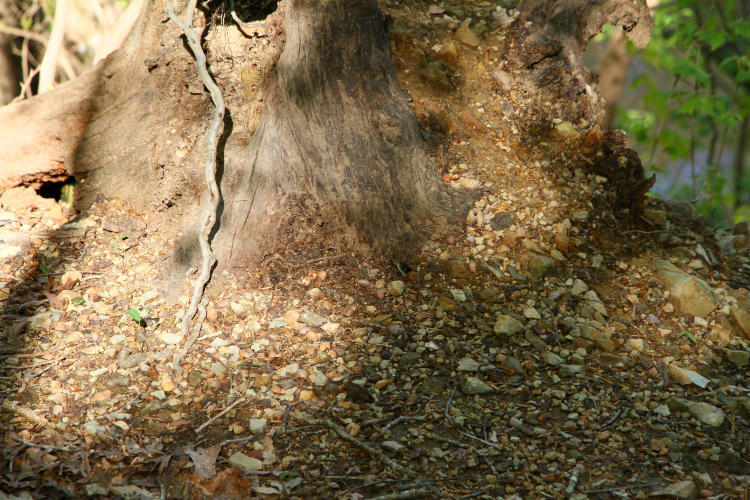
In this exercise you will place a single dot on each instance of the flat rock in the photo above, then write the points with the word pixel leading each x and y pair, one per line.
pixel 277 323
pixel 682 489
pixel 473 385
pixel 570 370
pixel 602 338
pixel 468 365
pixel 690 294
pixel 466 36
pixel 551 358
pixel 244 463
pixel 511 364
pixel 458 295
pixel 531 313
pixel 257 425
pixel 739 358
pixel 507 325
pixel 395 287
pixel 742 319
pixel 456 268
pixel 685 376
pixel 579 288
pixel 432 385
pixel 706 413
pixel 311 319
pixel 540 265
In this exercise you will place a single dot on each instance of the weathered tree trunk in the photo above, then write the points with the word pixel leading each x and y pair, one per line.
pixel 556 94
pixel 337 149
pixel 546 45
pixel 320 143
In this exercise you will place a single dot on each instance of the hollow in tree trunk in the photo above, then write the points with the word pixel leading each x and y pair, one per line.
pixel 320 145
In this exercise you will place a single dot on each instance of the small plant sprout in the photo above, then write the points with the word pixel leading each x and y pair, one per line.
pixel 138 315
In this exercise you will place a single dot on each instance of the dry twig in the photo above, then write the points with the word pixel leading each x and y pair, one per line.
pixel 403 418
pixel 219 415
pixel 26 413
pixel 413 493
pixel 356 442
pixel 47 447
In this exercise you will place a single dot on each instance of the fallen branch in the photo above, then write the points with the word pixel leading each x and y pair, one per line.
pixel 378 482
pixel 478 493
pixel 403 418
pixel 219 415
pixel 414 493
pixel 27 413
pixel 47 447
pixel 356 442
pixel 611 421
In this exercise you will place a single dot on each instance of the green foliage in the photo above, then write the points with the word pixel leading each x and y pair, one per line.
pixel 66 194
pixel 135 314
pixel 44 265
pixel 138 315
pixel 687 334
pixel 704 48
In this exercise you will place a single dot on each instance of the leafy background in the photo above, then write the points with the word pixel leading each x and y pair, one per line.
pixel 688 102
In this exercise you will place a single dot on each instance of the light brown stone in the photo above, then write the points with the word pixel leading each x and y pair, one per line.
pixel 466 36
pixel 690 294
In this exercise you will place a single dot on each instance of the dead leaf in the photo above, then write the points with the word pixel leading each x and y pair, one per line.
pixel 204 460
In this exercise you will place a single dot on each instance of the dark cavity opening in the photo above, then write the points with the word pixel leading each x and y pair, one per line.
pixel 254 10
pixel 56 190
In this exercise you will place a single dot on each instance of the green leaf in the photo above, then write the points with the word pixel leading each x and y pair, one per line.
pixel 135 314
pixel 44 266
pixel 728 63
pixel 287 475
pixel 715 39
pixel 78 300
pixel 687 334
pixel 684 67
pixel 741 27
